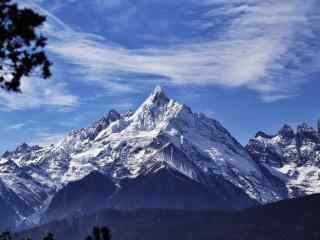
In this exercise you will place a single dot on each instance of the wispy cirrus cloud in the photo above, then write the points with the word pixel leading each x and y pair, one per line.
pixel 265 46
pixel 15 127
pixel 38 93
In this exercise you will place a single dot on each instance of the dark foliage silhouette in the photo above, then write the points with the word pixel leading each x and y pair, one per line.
pixel 293 219
pixel 49 236
pixel 100 233
pixel 21 46
pixel 105 233
pixel 5 236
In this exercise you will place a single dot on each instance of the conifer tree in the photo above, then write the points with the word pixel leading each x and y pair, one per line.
pixel 100 233
pixel 5 236
pixel 106 233
pixel 21 45
pixel 96 233
pixel 49 236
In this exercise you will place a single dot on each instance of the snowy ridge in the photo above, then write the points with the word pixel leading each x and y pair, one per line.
pixel 126 146
pixel 293 157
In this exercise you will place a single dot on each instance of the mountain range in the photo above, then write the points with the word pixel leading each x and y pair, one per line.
pixel 162 156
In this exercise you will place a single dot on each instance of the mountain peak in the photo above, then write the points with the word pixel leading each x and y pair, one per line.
pixel 287 132
pixel 304 127
pixel 263 135
pixel 113 115
pixel 158 95
pixel 306 133
pixel 24 147
pixel 158 89
pixel 154 110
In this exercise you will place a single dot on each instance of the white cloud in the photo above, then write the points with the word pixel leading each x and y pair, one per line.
pixel 15 127
pixel 37 93
pixel 275 97
pixel 263 47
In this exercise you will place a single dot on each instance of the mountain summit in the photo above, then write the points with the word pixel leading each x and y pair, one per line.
pixel 161 156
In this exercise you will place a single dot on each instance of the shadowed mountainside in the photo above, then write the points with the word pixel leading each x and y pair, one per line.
pixel 294 219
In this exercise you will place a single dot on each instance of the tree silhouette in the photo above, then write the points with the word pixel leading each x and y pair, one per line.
pixel 21 46
pixel 106 233
pixel 96 233
pixel 100 233
pixel 49 236
pixel 5 236
pixel 8 236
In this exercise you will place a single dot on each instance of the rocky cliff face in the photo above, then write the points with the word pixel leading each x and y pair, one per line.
pixel 291 156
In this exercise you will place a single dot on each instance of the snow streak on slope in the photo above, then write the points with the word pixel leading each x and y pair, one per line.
pixel 126 146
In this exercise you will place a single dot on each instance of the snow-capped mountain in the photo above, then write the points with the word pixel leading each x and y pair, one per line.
pixel 291 156
pixel 161 140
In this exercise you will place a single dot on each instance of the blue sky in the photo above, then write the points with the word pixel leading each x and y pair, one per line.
pixel 253 65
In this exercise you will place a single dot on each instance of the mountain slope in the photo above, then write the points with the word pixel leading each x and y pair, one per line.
pixel 165 188
pixel 293 219
pixel 159 187
pixel 126 146
pixel 10 207
pixel 82 197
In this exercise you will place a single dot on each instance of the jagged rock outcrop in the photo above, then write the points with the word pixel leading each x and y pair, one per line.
pixel 291 156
